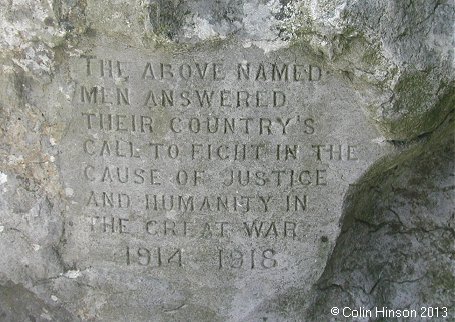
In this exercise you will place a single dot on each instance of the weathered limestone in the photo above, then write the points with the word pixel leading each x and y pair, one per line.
pixel 225 161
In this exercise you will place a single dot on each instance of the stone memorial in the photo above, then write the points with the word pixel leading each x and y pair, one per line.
pixel 256 160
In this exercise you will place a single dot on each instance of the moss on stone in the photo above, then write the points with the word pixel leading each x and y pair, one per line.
pixel 420 102
pixel 414 97
pixel 442 279
pixel 371 56
pixel 363 204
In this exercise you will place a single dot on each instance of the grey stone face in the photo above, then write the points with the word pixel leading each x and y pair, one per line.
pixel 225 160
pixel 219 172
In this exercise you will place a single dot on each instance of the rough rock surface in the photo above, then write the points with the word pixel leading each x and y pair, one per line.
pixel 402 231
pixel 395 242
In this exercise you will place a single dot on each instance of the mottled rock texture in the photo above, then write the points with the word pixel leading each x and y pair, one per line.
pixel 396 246
pixel 397 229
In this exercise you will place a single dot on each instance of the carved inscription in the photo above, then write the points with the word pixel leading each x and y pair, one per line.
pixel 221 163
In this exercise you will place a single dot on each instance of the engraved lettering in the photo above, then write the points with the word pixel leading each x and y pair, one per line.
pixel 109 199
pixel 279 74
pixel 246 259
pixel 106 224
